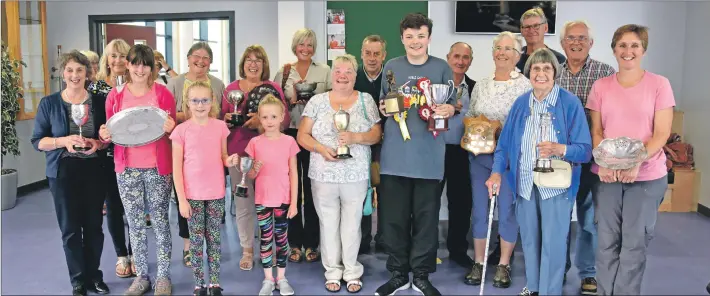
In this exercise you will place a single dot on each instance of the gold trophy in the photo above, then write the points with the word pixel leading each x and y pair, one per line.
pixel 341 119
pixel 394 101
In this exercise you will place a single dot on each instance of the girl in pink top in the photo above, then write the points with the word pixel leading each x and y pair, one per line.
pixel 274 155
pixel 144 173
pixel 637 104
pixel 199 155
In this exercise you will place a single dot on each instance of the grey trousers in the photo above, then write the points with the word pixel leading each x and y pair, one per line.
pixel 245 210
pixel 339 208
pixel 625 215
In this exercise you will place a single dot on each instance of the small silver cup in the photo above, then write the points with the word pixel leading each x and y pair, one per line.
pixel 341 119
pixel 236 97
pixel 245 165
pixel 544 165
pixel 80 115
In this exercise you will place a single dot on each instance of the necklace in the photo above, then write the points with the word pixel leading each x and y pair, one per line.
pixel 84 96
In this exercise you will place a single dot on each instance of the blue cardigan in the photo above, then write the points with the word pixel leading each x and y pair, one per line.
pixel 52 120
pixel 572 129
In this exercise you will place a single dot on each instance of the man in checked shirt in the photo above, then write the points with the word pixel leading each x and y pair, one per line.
pixel 578 75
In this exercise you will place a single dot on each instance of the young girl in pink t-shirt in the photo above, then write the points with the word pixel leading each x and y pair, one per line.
pixel 276 190
pixel 199 154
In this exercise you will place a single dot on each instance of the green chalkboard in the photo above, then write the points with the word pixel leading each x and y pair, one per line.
pixel 364 18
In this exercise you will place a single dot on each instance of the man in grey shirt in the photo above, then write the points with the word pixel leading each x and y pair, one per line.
pixel 412 164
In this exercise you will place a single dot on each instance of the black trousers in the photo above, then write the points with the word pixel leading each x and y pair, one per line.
pixel 183 231
pixel 587 180
pixel 115 211
pixel 78 201
pixel 304 228
pixel 458 193
pixel 366 223
pixel 410 220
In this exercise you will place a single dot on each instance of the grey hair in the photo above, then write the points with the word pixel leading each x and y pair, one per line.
pixel 543 56
pixel 533 12
pixel 301 36
pixel 200 45
pixel 517 40
pixel 346 58
pixel 571 24
pixel 464 43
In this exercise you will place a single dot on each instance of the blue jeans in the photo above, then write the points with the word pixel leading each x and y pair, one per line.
pixel 586 229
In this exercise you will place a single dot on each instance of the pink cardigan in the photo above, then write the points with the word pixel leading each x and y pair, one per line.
pixel 164 148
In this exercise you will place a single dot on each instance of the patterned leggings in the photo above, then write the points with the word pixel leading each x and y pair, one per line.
pixel 204 226
pixel 273 220
pixel 141 188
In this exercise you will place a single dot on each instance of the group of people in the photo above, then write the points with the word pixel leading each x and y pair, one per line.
pixel 308 200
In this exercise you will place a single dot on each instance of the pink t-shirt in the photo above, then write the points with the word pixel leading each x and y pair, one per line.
pixel 630 112
pixel 273 187
pixel 202 168
pixel 143 157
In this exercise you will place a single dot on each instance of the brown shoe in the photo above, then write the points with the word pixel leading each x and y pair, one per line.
pixel 140 286
pixel 123 267
pixel 502 278
pixel 163 286
pixel 589 286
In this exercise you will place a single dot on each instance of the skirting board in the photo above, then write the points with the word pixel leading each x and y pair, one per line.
pixel 705 211
pixel 32 187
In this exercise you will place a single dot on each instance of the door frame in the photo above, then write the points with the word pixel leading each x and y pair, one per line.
pixel 95 22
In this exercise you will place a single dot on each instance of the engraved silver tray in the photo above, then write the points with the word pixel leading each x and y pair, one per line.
pixel 619 153
pixel 137 126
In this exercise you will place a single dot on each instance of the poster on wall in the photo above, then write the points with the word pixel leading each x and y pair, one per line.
pixel 335 22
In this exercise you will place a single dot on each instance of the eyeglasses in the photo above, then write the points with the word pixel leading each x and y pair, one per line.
pixel 255 62
pixel 506 49
pixel 544 68
pixel 204 59
pixel 534 27
pixel 204 101
pixel 572 39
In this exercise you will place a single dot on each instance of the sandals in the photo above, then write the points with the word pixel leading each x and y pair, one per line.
pixel 186 258
pixel 312 255
pixel 332 282
pixel 296 256
pixel 123 267
pixel 356 283
pixel 247 261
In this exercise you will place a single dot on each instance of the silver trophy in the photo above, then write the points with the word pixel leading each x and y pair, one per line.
pixel 544 165
pixel 341 119
pixel 437 95
pixel 120 80
pixel 619 153
pixel 245 165
pixel 80 115
pixel 236 97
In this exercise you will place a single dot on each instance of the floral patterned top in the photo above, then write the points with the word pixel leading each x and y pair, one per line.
pixel 350 170
pixel 100 87
pixel 495 98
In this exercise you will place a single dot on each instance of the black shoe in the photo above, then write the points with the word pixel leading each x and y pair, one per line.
pixel 422 285
pixel 473 278
pixel 364 249
pixel 462 260
pixel 79 290
pixel 216 291
pixel 589 286
pixel 202 291
pixel 99 287
pixel 708 288
pixel 502 278
pixel 526 292
pixel 398 282
pixel 379 248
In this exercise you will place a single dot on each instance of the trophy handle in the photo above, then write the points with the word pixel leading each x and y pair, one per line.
pixel 452 89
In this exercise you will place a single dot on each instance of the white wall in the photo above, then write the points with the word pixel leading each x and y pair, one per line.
pixel 696 100
pixel 30 164
pixel 666 42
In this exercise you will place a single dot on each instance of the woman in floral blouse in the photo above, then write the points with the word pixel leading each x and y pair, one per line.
pixel 339 185
pixel 492 97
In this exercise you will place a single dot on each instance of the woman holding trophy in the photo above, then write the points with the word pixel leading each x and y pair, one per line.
pixel 254 71
pixel 66 129
pixel 339 126
pixel 543 144
pixel 143 168
pixel 632 114
pixel 492 98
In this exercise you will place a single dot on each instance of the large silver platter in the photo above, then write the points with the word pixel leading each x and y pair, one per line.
pixel 619 153
pixel 137 126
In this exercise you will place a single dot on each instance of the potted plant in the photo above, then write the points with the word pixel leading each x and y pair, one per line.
pixel 11 92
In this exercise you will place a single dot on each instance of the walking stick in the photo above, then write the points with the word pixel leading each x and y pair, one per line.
pixel 488 237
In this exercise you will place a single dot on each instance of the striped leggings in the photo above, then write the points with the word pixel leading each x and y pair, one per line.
pixel 273 220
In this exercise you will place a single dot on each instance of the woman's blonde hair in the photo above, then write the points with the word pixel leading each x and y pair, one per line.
pixel 214 108
pixel 116 45
pixel 301 36
pixel 93 57
pixel 272 100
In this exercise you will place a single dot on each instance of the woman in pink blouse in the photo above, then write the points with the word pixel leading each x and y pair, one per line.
pixel 637 104
pixel 254 71
pixel 144 173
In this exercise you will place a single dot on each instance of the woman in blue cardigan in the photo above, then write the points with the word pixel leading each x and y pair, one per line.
pixel 543 213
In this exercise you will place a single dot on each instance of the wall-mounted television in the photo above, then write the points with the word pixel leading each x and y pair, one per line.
pixel 493 17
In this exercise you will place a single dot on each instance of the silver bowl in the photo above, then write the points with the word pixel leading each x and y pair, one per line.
pixel 619 153
pixel 306 87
